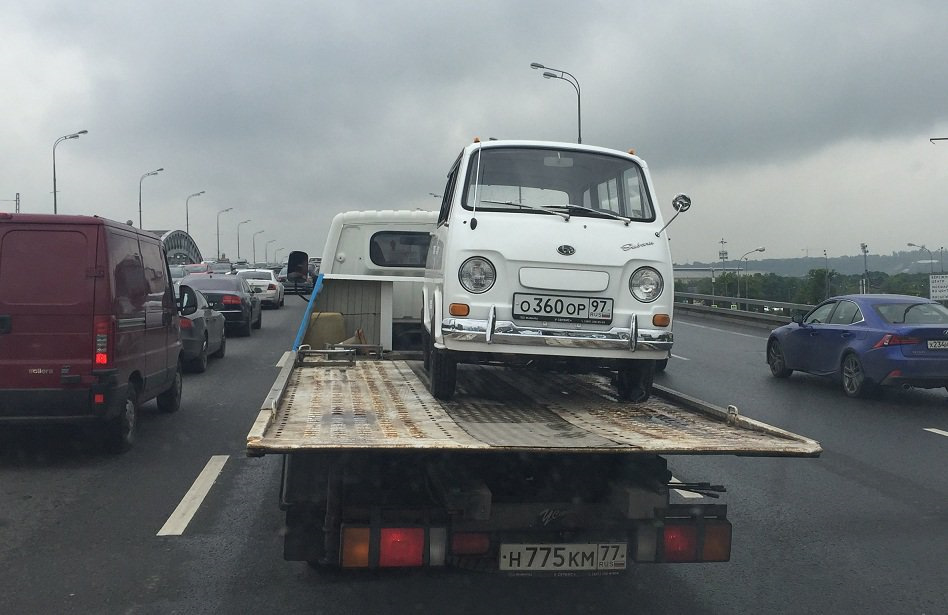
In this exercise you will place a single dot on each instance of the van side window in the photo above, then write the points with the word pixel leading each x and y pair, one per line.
pixel 156 275
pixel 399 248
pixel 130 291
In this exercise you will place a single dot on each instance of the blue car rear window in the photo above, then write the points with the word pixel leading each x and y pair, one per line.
pixel 913 313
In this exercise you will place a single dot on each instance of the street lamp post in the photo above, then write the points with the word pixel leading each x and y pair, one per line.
pixel 219 231
pixel 148 174
pixel 744 258
pixel 238 236
pixel 550 73
pixel 931 257
pixel 187 226
pixel 275 252
pixel 253 239
pixel 722 254
pixel 74 135
pixel 266 259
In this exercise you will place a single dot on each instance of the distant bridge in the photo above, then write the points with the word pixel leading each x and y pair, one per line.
pixel 180 247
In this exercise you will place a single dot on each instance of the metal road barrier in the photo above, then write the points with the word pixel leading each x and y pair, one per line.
pixel 759 312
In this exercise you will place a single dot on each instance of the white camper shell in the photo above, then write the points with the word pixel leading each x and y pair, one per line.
pixel 549 253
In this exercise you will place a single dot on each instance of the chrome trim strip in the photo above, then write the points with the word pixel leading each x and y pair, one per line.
pixel 506 332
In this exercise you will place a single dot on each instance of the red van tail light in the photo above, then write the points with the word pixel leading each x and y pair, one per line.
pixel 230 300
pixel 186 323
pixel 104 335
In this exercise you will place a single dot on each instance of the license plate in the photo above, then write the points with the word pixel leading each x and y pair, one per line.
pixel 557 557
pixel 937 344
pixel 561 308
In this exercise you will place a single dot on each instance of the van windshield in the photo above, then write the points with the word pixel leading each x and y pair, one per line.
pixel 523 179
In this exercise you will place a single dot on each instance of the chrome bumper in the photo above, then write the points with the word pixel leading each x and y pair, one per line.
pixel 492 331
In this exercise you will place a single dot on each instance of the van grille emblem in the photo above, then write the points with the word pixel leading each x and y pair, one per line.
pixel 566 250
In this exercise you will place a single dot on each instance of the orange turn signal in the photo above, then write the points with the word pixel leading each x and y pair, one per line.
pixel 355 547
pixel 459 309
pixel 661 320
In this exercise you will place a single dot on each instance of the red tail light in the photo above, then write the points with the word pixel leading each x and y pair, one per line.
pixel 470 543
pixel 103 330
pixel 890 339
pixel 230 300
pixel 401 546
pixel 272 286
pixel 186 323
pixel 681 543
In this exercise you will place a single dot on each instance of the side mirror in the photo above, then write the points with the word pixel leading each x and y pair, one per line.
pixel 798 318
pixel 681 203
pixel 187 301
pixel 297 267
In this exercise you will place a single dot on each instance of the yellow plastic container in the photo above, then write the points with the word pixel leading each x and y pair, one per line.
pixel 324 328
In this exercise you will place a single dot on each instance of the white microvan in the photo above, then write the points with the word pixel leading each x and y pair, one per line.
pixel 549 254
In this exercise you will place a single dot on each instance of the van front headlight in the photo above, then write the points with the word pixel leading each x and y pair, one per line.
pixel 646 284
pixel 477 275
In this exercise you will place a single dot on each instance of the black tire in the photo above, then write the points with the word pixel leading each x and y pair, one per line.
pixel 259 322
pixel 282 300
pixel 198 364
pixel 443 373
pixel 169 400
pixel 426 349
pixel 246 328
pixel 853 377
pixel 661 365
pixel 634 381
pixel 219 353
pixel 120 430
pixel 777 361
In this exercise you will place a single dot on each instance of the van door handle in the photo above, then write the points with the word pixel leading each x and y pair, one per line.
pixel 6 323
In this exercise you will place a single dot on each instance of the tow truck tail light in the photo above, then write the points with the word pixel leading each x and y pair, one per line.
pixel 103 336
pixel 681 543
pixel 470 543
pixel 401 547
pixel 696 540
pixel 717 542
pixel 393 547
pixel 230 300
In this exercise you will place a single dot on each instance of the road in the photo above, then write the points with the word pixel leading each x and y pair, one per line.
pixel 863 529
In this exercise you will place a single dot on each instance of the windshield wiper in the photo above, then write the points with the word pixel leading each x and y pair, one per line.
pixel 598 212
pixel 532 207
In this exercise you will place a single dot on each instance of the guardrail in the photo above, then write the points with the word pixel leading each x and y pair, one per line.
pixel 760 312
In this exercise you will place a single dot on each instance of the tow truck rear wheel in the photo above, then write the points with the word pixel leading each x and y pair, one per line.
pixel 634 380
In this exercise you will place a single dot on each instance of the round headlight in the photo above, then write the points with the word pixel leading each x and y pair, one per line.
pixel 477 275
pixel 646 284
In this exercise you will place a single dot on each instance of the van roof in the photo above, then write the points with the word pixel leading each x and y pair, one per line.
pixel 27 219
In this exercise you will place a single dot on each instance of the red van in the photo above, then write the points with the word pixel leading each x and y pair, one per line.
pixel 88 323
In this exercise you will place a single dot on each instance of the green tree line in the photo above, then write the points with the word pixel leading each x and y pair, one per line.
pixel 815 286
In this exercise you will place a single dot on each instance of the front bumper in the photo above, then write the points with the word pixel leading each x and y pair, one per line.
pixel 505 332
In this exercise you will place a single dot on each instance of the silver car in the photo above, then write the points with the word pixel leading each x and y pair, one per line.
pixel 268 288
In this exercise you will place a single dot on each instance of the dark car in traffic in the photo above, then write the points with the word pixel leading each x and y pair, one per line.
pixel 231 296
pixel 202 330
pixel 866 342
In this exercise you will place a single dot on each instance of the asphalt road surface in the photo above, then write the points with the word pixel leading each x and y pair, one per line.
pixel 185 523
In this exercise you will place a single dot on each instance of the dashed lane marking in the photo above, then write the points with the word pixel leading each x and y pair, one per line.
pixel 192 500
pixel 938 431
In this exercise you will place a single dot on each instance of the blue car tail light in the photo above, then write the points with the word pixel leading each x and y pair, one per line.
pixel 890 339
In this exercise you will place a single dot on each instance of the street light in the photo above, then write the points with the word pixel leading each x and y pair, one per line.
pixel 148 174
pixel 550 73
pixel 266 247
pixel 744 258
pixel 74 135
pixel 253 239
pixel 865 263
pixel 238 236
pixel 219 231
pixel 275 252
pixel 931 257
pixel 187 227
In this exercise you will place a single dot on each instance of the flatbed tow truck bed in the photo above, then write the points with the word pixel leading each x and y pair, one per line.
pixel 321 403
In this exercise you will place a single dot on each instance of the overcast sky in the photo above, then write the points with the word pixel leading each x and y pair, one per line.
pixel 798 126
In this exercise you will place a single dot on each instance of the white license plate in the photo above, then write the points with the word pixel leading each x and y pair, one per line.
pixel 562 308
pixel 937 344
pixel 557 557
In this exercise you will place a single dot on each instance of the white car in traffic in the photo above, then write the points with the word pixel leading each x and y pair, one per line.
pixel 265 285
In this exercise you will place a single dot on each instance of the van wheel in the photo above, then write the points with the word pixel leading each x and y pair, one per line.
pixel 199 363
pixel 661 365
pixel 219 353
pixel 443 373
pixel 170 400
pixel 120 431
pixel 634 380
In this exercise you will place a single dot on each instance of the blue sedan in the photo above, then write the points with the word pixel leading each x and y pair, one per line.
pixel 867 342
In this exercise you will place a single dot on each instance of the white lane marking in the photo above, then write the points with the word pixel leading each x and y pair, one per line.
pixel 192 500
pixel 690 324
pixel 680 357
pixel 938 431
pixel 283 359
pixel 685 494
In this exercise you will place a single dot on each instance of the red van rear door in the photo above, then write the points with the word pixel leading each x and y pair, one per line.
pixel 47 286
